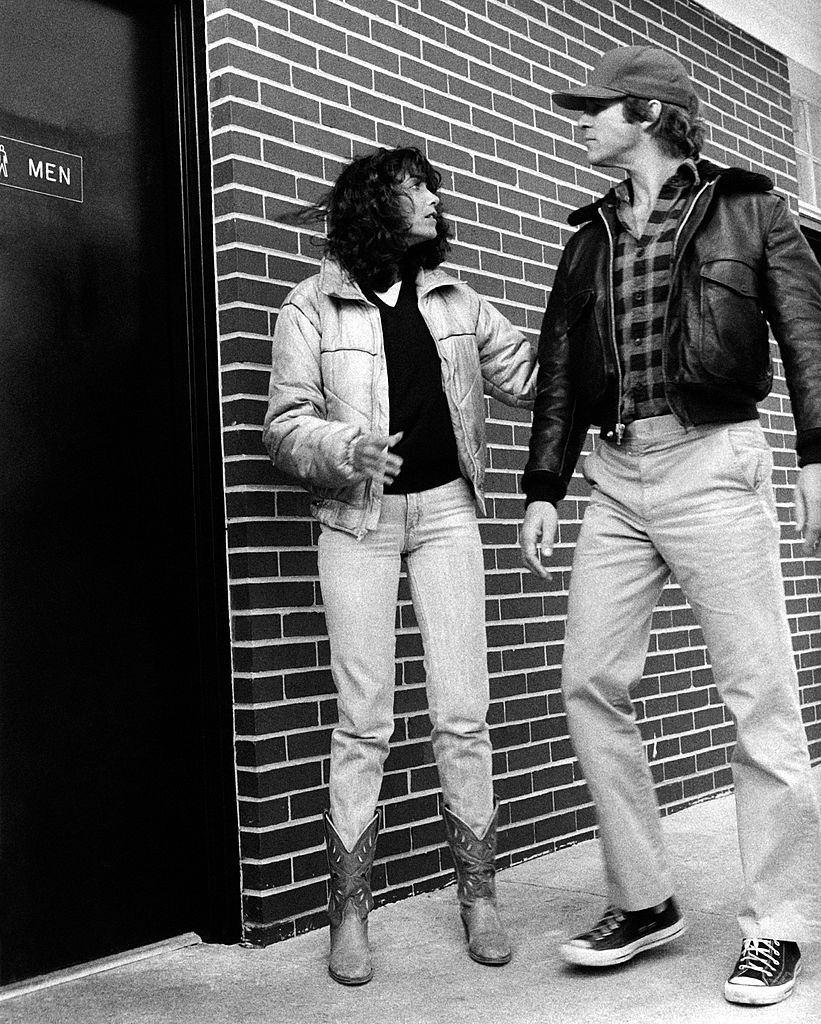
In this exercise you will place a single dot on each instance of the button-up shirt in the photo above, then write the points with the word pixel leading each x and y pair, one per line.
pixel 641 283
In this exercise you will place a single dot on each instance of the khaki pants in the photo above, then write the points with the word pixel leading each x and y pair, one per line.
pixel 697 503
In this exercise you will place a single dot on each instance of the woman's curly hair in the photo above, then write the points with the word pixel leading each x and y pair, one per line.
pixel 678 129
pixel 366 229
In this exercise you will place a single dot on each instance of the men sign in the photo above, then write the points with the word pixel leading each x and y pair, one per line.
pixel 33 168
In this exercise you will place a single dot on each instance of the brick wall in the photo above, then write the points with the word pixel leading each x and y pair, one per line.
pixel 296 89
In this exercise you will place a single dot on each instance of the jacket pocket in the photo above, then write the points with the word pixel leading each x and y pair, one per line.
pixel 734 338
pixel 347 494
pixel 585 345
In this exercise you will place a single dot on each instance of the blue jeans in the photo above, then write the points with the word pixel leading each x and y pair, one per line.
pixel 697 503
pixel 436 531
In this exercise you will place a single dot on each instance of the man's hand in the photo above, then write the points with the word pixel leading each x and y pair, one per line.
pixel 808 508
pixel 537 536
pixel 372 457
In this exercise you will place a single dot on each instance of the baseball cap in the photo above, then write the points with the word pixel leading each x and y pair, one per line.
pixel 643 71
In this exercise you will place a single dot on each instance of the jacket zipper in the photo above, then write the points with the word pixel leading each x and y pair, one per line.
pixel 674 262
pixel 367 497
pixel 612 311
pixel 686 217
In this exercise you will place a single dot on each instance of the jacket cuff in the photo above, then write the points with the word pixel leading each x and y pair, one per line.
pixel 539 485
pixel 808 447
pixel 346 464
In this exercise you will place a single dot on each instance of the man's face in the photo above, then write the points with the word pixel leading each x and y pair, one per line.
pixel 419 205
pixel 611 140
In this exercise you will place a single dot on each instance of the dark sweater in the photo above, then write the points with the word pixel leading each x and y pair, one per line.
pixel 418 405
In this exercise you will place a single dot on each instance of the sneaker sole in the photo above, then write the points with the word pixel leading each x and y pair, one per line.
pixel 582 956
pixel 759 995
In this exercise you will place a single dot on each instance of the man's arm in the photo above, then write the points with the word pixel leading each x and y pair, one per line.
pixel 556 436
pixel 793 307
pixel 557 432
pixel 808 508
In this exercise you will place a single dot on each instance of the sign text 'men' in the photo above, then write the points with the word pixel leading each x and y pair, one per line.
pixel 50 172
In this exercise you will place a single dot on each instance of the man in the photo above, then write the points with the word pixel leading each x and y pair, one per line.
pixel 656 331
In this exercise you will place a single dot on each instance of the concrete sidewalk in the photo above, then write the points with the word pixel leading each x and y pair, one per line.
pixel 425 977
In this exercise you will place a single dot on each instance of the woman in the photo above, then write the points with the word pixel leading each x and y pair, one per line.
pixel 380 364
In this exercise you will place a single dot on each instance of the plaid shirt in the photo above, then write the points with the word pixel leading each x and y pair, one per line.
pixel 641 282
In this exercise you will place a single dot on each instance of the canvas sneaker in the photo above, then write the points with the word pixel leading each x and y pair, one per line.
pixel 765 972
pixel 621 934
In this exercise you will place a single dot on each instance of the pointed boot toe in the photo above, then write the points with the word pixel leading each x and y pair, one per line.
pixel 488 942
pixel 474 858
pixel 349 904
pixel 350 961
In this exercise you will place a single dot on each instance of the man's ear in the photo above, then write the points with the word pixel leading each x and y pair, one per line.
pixel 654 106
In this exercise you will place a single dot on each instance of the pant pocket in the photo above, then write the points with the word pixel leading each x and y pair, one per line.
pixel 751 456
pixel 589 468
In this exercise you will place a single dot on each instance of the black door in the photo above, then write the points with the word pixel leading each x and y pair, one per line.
pixel 115 810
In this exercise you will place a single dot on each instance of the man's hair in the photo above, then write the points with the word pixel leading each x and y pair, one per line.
pixel 678 131
pixel 366 229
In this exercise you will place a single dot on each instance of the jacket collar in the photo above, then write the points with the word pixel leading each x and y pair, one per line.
pixel 687 174
pixel 336 282
pixel 729 180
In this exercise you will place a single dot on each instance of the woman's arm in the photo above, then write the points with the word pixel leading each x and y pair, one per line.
pixel 296 433
pixel 300 439
pixel 507 358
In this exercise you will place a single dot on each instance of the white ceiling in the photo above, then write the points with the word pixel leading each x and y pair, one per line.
pixel 791 26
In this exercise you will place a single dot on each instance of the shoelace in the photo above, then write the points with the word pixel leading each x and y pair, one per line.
pixel 612 920
pixel 759 955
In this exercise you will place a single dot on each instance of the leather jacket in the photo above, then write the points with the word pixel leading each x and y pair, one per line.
pixel 740 263
pixel 329 384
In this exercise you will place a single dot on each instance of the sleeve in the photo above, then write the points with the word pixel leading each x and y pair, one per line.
pixel 792 286
pixel 506 357
pixel 558 431
pixel 296 433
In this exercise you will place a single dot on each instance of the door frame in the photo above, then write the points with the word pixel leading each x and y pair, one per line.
pixel 215 909
pixel 221 903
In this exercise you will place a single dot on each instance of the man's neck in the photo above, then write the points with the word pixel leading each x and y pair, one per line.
pixel 648 174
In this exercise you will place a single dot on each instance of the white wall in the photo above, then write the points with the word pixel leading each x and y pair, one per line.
pixel 791 26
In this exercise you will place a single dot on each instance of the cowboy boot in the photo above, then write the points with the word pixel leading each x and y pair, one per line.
pixel 349 904
pixel 474 859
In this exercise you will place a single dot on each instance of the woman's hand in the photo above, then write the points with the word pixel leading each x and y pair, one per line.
pixel 372 457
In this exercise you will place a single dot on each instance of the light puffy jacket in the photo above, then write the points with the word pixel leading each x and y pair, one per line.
pixel 329 384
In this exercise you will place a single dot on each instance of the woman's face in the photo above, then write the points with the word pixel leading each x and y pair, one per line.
pixel 419 205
